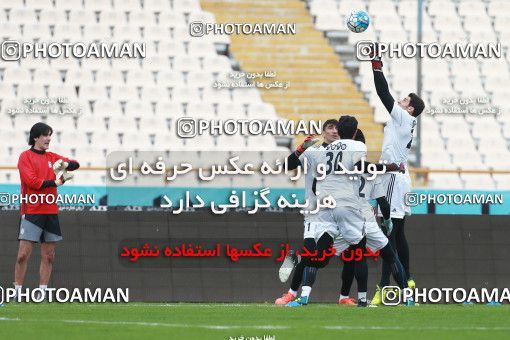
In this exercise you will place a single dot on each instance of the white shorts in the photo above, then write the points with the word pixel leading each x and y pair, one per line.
pixel 309 231
pixel 340 245
pixel 344 223
pixel 397 185
pixel 376 240
pixel 315 229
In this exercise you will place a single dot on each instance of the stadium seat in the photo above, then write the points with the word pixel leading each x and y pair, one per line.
pixel 138 109
pixel 346 7
pixel 38 4
pixel 154 124
pixel 169 109
pixel 127 33
pixel 445 181
pixel 64 91
pixel 233 143
pixel 88 178
pixel 330 22
pixel 83 17
pixel 201 110
pixel 502 181
pixel 128 5
pixel 9 176
pixel 260 110
pixel 186 6
pixel 97 5
pixel 12 4
pixel 107 108
pixel 96 32
pixel 115 18
pixel 140 76
pixel 22 16
pixel 478 181
pixel 47 76
pixel 18 75
pixel 67 32
pixel 124 92
pixel 436 7
pixel 78 77
pixel 109 77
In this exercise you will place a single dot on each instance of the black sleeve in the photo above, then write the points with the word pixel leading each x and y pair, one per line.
pixel 48 184
pixel 293 161
pixel 73 166
pixel 381 86
pixel 385 207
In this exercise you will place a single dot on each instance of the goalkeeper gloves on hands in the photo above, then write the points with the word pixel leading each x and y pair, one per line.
pixel 59 168
pixel 309 141
pixel 396 167
pixel 66 176
pixel 388 225
pixel 376 58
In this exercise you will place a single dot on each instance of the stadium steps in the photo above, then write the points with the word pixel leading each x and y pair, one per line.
pixel 320 86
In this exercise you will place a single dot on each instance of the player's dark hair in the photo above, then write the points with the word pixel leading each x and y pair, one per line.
pixel 347 126
pixel 360 137
pixel 38 130
pixel 417 103
pixel 329 122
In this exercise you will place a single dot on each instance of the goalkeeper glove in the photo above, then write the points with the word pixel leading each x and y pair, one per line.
pixel 309 141
pixel 59 168
pixel 67 176
pixel 376 58
pixel 396 167
pixel 388 225
pixel 402 168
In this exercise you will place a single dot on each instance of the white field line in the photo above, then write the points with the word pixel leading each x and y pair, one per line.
pixel 264 327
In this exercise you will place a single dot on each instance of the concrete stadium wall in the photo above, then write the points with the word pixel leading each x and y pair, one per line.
pixel 446 251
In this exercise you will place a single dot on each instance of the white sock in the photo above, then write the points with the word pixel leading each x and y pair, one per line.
pixel 362 296
pixel 17 287
pixel 293 292
pixel 342 297
pixel 43 288
pixel 305 291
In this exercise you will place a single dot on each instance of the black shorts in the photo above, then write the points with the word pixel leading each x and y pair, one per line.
pixel 39 228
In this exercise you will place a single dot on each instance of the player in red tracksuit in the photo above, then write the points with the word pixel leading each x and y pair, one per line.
pixel 39 220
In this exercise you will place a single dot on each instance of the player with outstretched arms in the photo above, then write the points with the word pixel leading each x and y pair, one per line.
pixel 398 136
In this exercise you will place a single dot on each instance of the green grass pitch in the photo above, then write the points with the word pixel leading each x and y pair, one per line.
pixel 225 321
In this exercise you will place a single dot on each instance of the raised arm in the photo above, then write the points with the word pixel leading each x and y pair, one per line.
pixel 381 86
pixel 293 159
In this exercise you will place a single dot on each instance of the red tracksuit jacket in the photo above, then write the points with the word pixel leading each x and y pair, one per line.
pixel 35 167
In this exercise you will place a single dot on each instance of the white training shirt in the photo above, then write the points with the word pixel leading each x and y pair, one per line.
pixel 309 178
pixel 344 190
pixel 398 134
pixel 369 190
